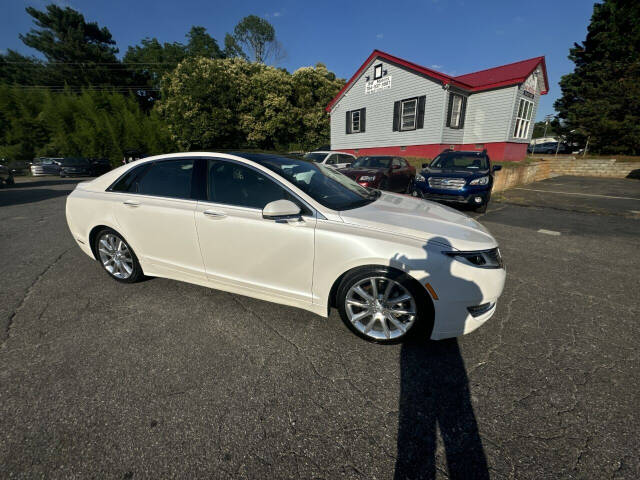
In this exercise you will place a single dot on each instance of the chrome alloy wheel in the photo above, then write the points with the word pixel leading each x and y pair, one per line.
pixel 115 256
pixel 380 308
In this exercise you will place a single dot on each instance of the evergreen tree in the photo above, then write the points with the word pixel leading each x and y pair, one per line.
pixel 78 53
pixel 601 98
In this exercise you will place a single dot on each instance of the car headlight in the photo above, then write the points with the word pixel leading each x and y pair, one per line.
pixel 419 178
pixel 480 181
pixel 482 258
pixel 367 178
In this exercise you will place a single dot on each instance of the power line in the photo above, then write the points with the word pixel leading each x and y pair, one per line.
pixel 37 64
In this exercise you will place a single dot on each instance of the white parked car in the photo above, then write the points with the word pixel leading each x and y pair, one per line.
pixel 293 232
pixel 331 159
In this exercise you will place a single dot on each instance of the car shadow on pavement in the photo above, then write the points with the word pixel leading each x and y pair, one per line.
pixel 13 196
pixel 435 395
pixel 28 183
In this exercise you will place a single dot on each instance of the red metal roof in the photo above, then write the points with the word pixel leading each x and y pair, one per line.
pixel 502 76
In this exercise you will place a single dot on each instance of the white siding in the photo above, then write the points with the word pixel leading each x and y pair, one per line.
pixel 489 115
pixel 514 113
pixel 379 117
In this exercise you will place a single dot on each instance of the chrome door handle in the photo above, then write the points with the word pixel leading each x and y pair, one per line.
pixel 131 203
pixel 211 213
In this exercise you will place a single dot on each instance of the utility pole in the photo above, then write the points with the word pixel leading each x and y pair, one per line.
pixel 547 119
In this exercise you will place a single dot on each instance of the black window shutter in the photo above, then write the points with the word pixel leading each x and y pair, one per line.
pixel 463 110
pixel 363 119
pixel 420 120
pixel 396 116
pixel 348 122
pixel 450 109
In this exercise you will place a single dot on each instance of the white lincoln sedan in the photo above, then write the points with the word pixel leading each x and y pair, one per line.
pixel 294 232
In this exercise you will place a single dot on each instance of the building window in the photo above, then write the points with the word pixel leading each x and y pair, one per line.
pixel 356 120
pixel 457 107
pixel 377 71
pixel 408 114
pixel 523 119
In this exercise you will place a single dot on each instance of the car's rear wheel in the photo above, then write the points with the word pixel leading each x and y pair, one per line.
pixel 10 180
pixel 384 184
pixel 117 257
pixel 382 305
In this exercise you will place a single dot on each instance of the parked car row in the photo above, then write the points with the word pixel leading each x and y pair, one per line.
pixel 461 177
pixel 69 167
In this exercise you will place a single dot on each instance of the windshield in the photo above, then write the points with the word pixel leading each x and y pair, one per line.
pixel 69 162
pixel 325 185
pixel 460 161
pixel 316 157
pixel 372 162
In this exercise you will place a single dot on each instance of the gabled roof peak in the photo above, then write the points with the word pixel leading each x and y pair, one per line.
pixel 496 77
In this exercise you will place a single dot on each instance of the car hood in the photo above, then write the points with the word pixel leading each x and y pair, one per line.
pixel 421 219
pixel 356 172
pixel 451 172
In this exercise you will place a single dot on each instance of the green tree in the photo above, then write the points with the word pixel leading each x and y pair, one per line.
pixel 78 52
pixel 22 70
pixel 601 98
pixel 232 49
pixel 233 103
pixel 258 37
pixel 90 124
pixel 201 44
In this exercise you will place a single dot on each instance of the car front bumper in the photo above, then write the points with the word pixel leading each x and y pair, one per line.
pixel 466 286
pixel 471 195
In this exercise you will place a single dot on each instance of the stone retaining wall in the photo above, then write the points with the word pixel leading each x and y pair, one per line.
pixel 543 169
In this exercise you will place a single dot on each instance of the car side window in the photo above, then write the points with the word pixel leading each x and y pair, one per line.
pixel 233 184
pixel 331 160
pixel 166 178
pixel 403 162
pixel 396 162
pixel 346 158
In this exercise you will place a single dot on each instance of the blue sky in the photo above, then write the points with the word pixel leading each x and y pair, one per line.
pixel 453 36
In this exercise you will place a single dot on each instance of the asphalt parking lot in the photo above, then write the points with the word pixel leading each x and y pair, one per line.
pixel 164 379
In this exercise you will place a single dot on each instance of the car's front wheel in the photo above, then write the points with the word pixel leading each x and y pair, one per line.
pixel 117 257
pixel 382 305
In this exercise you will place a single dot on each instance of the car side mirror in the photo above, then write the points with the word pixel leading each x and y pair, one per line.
pixel 281 210
pixel 497 167
pixel 425 165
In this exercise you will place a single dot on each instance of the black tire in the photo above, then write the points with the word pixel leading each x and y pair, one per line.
pixel 410 186
pixel 62 175
pixel 136 275
pixel 384 184
pixel 482 208
pixel 10 180
pixel 421 326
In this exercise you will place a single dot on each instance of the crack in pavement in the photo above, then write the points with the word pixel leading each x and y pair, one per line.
pixel 7 331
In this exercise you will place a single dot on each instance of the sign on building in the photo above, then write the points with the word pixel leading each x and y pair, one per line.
pixel 376 85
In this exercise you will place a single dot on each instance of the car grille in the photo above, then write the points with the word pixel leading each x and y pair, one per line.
pixel 444 183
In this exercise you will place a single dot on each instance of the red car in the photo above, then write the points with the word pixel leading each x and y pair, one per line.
pixel 382 172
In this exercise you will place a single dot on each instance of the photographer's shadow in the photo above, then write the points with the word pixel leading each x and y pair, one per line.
pixel 435 395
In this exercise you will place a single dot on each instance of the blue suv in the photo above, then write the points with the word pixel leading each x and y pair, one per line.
pixel 459 177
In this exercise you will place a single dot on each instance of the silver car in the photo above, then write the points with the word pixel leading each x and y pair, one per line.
pixel 45 166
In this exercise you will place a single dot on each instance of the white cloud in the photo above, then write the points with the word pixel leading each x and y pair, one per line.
pixel 380 35
pixel 277 14
pixel 436 67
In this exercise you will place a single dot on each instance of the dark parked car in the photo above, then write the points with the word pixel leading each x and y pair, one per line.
pixel 16 167
pixel 382 172
pixel 75 167
pixel 100 166
pixel 45 166
pixel 6 177
pixel 549 148
pixel 460 177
